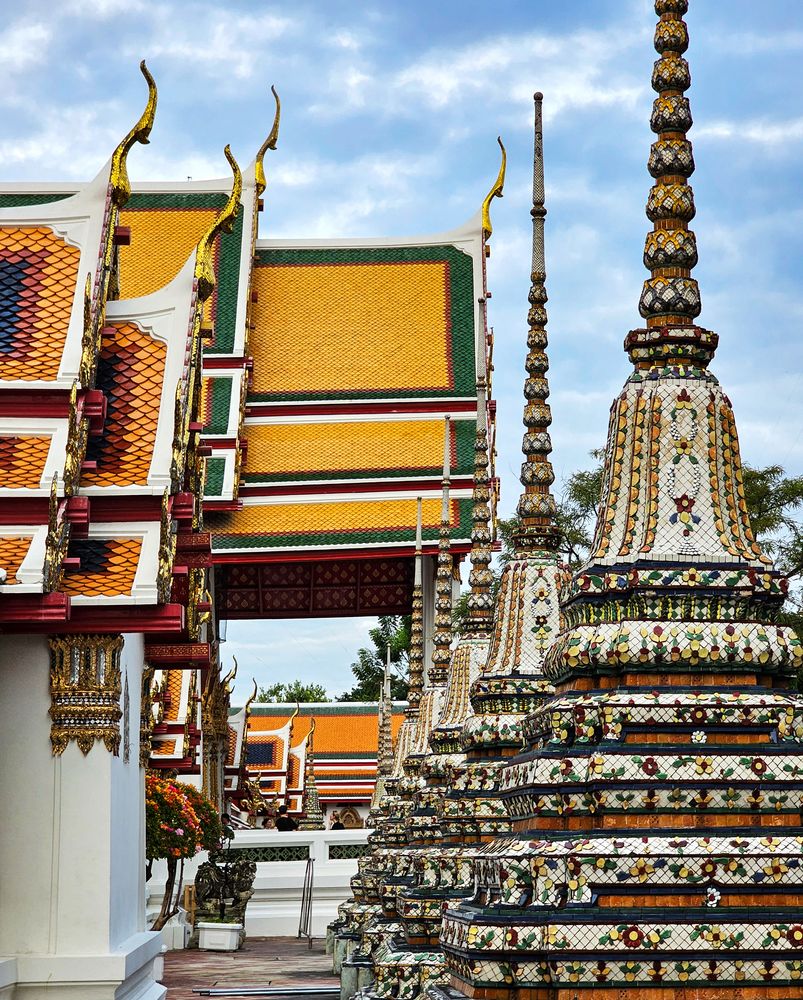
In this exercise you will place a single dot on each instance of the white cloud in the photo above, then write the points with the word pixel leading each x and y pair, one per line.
pixel 24 45
pixel 761 131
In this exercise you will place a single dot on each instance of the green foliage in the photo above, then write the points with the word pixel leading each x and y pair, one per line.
pixel 211 831
pixel 391 631
pixel 295 691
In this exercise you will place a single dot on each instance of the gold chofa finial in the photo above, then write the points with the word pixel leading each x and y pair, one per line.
pixel 269 143
pixel 204 268
pixel 495 192
pixel 121 186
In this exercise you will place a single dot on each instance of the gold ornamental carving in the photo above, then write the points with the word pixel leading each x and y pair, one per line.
pixel 85 692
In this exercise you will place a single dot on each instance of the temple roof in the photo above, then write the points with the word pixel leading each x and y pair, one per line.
pixel 345 747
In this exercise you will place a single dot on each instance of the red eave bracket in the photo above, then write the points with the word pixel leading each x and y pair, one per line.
pixel 32 610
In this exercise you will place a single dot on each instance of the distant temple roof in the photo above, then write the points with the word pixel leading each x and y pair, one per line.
pixel 345 748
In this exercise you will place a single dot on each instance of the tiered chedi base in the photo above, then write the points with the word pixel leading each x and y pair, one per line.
pixel 471 812
pixel 657 812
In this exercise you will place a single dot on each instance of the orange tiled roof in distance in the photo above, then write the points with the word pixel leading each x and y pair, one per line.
pixel 341 732
pixel 13 550
pixel 38 274
pixel 131 371
pixel 321 315
pixel 108 567
pixel 164 748
pixel 22 460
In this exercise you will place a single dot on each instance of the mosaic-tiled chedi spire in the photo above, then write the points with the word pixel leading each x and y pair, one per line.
pixel 527 614
pixel 659 805
pixel 419 906
pixel 388 821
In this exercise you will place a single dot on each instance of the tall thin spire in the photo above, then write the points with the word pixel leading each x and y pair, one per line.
pixel 416 627
pixel 442 638
pixel 384 762
pixel 480 601
pixel 537 507
pixel 670 298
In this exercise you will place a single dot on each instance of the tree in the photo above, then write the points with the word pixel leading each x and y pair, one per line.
pixel 294 691
pixel 369 669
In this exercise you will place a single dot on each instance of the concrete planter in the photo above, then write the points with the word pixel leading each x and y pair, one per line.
pixel 219 937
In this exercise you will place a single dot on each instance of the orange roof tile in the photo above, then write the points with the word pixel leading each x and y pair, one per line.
pixel 322 316
pixel 108 567
pixel 344 446
pixel 163 748
pixel 38 274
pixel 161 243
pixel 131 372
pixel 232 747
pixel 13 549
pixel 343 732
pixel 173 684
pixel 337 515
pixel 22 460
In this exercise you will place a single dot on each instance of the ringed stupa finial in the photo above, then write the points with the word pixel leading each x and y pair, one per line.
pixel 442 637
pixel 537 509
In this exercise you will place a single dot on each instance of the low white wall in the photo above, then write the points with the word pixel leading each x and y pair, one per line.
pixel 275 907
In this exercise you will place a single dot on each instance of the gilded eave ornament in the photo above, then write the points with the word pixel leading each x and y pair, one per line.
pixel 495 192
pixel 56 540
pixel 85 692
pixel 269 143
pixel 118 178
pixel 204 264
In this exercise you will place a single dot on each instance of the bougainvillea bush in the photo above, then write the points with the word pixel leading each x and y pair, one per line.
pixel 179 822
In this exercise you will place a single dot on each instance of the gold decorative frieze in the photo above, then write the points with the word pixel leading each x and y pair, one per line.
pixel 85 691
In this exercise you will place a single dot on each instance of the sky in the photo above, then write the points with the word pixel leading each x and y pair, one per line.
pixel 390 113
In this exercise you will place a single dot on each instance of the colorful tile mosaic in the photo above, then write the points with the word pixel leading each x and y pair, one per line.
pixel 13 549
pixel 22 460
pixel 38 275
pixel 131 372
pixel 108 567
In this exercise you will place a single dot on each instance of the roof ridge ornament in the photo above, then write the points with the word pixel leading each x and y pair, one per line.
pixel 497 191
pixel 537 509
pixel 204 268
pixel 269 143
pixel 118 176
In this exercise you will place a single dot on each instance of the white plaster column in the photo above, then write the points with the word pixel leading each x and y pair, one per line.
pixel 72 848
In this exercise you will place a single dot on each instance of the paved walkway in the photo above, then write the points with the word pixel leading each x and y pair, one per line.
pixel 271 962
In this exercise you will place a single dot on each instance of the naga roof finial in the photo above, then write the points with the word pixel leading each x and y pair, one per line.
pixel 495 192
pixel 118 176
pixel 204 267
pixel 537 508
pixel 269 143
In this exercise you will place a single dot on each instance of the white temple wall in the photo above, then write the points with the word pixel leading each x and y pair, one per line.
pixel 72 844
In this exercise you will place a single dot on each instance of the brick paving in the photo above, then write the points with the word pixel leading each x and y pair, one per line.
pixel 283 961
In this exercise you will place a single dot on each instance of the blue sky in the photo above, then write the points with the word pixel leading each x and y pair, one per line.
pixel 390 115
